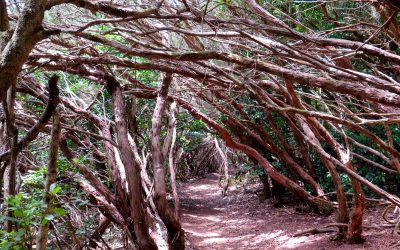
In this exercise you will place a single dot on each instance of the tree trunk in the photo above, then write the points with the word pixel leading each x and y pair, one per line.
pixel 17 47
pixel 394 160
pixel 10 171
pixel 355 228
pixel 224 167
pixel 50 180
pixel 266 190
pixel 354 232
pixel 343 213
pixel 132 169
pixel 171 158
pixel 176 237
pixel 115 175
pixel 4 146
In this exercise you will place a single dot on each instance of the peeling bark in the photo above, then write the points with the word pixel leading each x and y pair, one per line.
pixel 132 169
pixel 26 34
pixel 224 168
pixel 50 180
pixel 11 166
pixel 171 157
pixel 176 237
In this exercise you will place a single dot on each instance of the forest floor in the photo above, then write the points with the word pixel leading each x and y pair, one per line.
pixel 240 221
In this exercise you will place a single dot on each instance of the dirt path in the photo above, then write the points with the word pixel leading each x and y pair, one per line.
pixel 240 221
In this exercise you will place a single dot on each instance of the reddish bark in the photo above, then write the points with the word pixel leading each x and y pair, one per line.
pixel 317 204
pixel 50 179
pixel 176 236
pixel 132 169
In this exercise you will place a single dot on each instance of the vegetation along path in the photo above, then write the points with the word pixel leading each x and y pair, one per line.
pixel 241 221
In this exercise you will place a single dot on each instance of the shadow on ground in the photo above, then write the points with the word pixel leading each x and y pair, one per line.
pixel 240 221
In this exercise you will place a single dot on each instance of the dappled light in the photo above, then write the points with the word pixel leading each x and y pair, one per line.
pixel 240 222
pixel 199 124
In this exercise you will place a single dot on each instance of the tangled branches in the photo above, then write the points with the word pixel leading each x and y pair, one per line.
pixel 297 95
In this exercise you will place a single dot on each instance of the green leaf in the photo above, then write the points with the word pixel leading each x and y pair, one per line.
pixel 44 221
pixel 18 213
pixel 54 189
pixel 60 211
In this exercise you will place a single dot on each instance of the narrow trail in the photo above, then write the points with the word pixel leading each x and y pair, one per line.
pixel 240 221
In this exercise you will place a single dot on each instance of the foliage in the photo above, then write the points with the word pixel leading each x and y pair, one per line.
pixel 26 212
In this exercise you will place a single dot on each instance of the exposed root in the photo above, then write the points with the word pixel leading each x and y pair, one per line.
pixel 327 229
pixel 324 229
pixel 315 231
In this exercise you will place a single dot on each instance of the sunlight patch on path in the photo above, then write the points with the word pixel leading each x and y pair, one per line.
pixel 220 223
